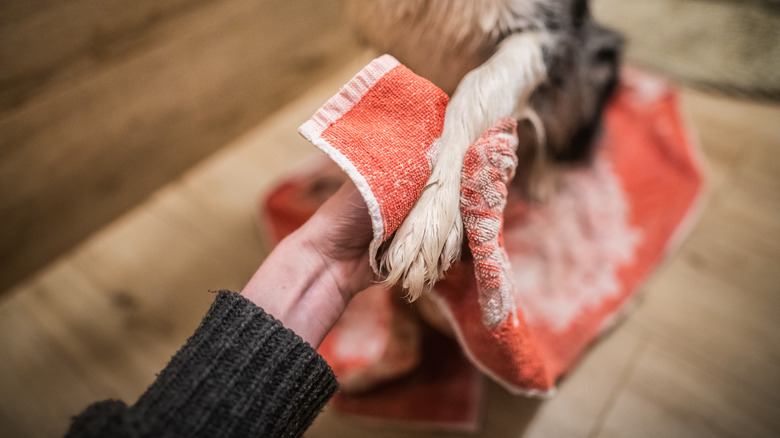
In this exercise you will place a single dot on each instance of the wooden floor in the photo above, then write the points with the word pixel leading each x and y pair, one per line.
pixel 104 102
pixel 700 357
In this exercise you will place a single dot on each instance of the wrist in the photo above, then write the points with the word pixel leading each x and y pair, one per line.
pixel 296 286
pixel 308 279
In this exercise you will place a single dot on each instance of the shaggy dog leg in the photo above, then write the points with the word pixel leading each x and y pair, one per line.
pixel 429 239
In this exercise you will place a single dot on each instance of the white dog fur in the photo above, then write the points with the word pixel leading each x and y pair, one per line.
pixel 490 56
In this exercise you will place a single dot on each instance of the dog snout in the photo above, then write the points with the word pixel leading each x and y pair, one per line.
pixel 606 45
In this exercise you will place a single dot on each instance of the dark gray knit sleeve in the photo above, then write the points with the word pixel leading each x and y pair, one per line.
pixel 241 374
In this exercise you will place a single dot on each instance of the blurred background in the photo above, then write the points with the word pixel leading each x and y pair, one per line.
pixel 102 102
pixel 106 107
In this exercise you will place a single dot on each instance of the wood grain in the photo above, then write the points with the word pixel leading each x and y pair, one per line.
pixel 102 102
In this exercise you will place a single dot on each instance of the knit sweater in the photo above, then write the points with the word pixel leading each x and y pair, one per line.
pixel 242 374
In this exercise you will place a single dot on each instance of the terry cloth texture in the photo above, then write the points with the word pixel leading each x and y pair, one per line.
pixel 381 129
pixel 488 167
pixel 241 374
pixel 574 264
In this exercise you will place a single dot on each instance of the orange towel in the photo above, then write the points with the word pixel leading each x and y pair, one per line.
pixel 528 299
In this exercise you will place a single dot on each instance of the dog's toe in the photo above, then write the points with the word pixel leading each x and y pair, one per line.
pixel 426 243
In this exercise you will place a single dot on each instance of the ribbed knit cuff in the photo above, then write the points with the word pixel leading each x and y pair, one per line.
pixel 241 374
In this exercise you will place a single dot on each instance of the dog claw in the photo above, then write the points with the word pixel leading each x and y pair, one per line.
pixel 426 244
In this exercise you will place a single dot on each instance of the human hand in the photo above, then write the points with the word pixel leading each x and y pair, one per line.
pixel 308 279
pixel 340 232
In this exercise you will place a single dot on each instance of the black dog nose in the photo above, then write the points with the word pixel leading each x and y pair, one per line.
pixel 607 44
pixel 607 54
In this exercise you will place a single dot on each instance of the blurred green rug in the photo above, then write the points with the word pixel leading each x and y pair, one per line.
pixel 728 46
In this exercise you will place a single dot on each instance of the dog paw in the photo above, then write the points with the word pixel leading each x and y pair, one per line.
pixel 429 239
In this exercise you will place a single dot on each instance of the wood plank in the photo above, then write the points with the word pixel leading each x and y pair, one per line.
pixel 718 300
pixel 43 44
pixel 728 130
pixel 67 344
pixel 77 155
pixel 730 331
pixel 669 395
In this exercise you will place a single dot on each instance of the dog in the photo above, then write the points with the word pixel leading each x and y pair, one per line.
pixel 545 62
